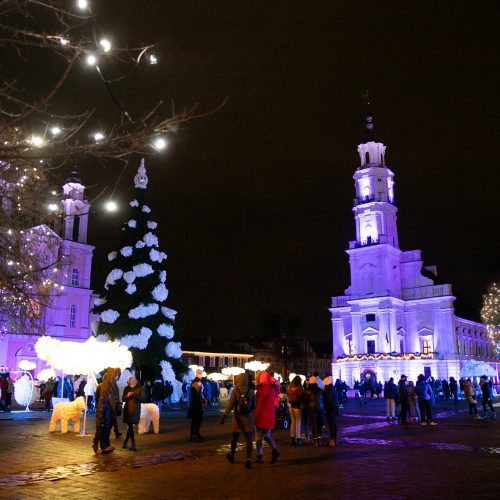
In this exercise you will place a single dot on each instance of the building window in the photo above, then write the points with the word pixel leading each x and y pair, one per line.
pixel 201 361
pixel 238 362
pixel 212 361
pixel 72 316
pixel 458 346
pixel 426 347
pixel 401 346
pixel 427 371
pixel 222 363
pixel 75 277
pixel 370 346
pixel 370 317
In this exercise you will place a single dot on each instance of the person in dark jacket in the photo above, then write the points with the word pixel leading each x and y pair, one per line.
pixel 487 391
pixel 453 387
pixel 315 409
pixel 133 397
pixel 195 409
pixel 424 393
pixel 390 393
pixel 331 402
pixel 242 421
pixel 105 412
pixel 403 399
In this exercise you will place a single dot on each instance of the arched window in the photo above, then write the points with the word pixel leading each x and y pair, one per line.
pixel 72 316
pixel 75 277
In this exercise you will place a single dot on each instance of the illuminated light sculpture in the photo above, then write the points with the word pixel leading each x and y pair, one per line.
pixel 474 368
pixel 256 366
pixel 366 357
pixel 23 389
pixel 45 374
pixel 217 377
pixel 232 371
pixel 27 365
pixel 85 358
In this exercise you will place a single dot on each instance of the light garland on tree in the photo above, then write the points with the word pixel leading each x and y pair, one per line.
pixel 490 315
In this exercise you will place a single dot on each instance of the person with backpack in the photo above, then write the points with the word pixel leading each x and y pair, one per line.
pixel 424 393
pixel 315 409
pixel 242 404
pixel 266 403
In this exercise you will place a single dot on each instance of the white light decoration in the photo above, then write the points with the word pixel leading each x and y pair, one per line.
pixel 52 207
pixel 45 374
pixel 195 368
pixel 24 364
pixel 278 377
pixel 111 206
pixel 160 143
pixel 77 358
pixel 232 371
pixel 98 136
pixel 105 44
pixel 82 4
pixel 64 41
pixel 256 366
pixel 152 59
pixel 217 377
pixel 23 390
pixel 55 130
pixel 91 60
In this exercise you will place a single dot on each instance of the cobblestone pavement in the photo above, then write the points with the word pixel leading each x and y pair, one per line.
pixel 458 458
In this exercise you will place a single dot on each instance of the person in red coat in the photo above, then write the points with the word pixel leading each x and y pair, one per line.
pixel 266 403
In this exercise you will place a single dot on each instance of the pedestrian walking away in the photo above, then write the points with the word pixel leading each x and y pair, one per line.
pixel 266 402
pixel 242 404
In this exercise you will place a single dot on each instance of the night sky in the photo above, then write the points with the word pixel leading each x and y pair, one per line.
pixel 254 203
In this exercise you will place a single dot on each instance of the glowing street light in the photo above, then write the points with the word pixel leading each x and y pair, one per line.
pixel 82 4
pixel 160 143
pixel 52 207
pixel 98 136
pixel 152 59
pixel 111 206
pixel 37 141
pixel 55 130
pixel 105 44
pixel 91 60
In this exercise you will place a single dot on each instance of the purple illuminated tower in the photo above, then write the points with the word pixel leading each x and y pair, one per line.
pixel 396 317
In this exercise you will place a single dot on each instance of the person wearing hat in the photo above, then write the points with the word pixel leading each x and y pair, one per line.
pixel 487 391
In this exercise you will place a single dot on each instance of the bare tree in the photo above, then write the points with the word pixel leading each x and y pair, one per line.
pixel 42 45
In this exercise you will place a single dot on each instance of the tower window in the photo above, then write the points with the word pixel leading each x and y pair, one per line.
pixel 72 316
pixel 75 277
pixel 370 317
pixel 76 227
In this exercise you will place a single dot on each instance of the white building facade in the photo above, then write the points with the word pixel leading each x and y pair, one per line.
pixel 395 318
pixel 68 316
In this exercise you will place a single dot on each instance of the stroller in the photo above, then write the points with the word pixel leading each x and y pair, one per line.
pixel 282 413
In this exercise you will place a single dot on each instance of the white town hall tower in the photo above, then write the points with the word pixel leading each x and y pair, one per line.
pixel 396 317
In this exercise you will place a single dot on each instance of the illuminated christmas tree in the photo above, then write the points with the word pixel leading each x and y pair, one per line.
pixel 133 309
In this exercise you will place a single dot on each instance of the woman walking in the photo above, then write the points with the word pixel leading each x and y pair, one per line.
pixel 133 397
pixel 471 399
pixel 295 395
pixel 315 408
pixel 265 414
pixel 242 403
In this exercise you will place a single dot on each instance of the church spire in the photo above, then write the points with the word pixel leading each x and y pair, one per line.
pixel 370 135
